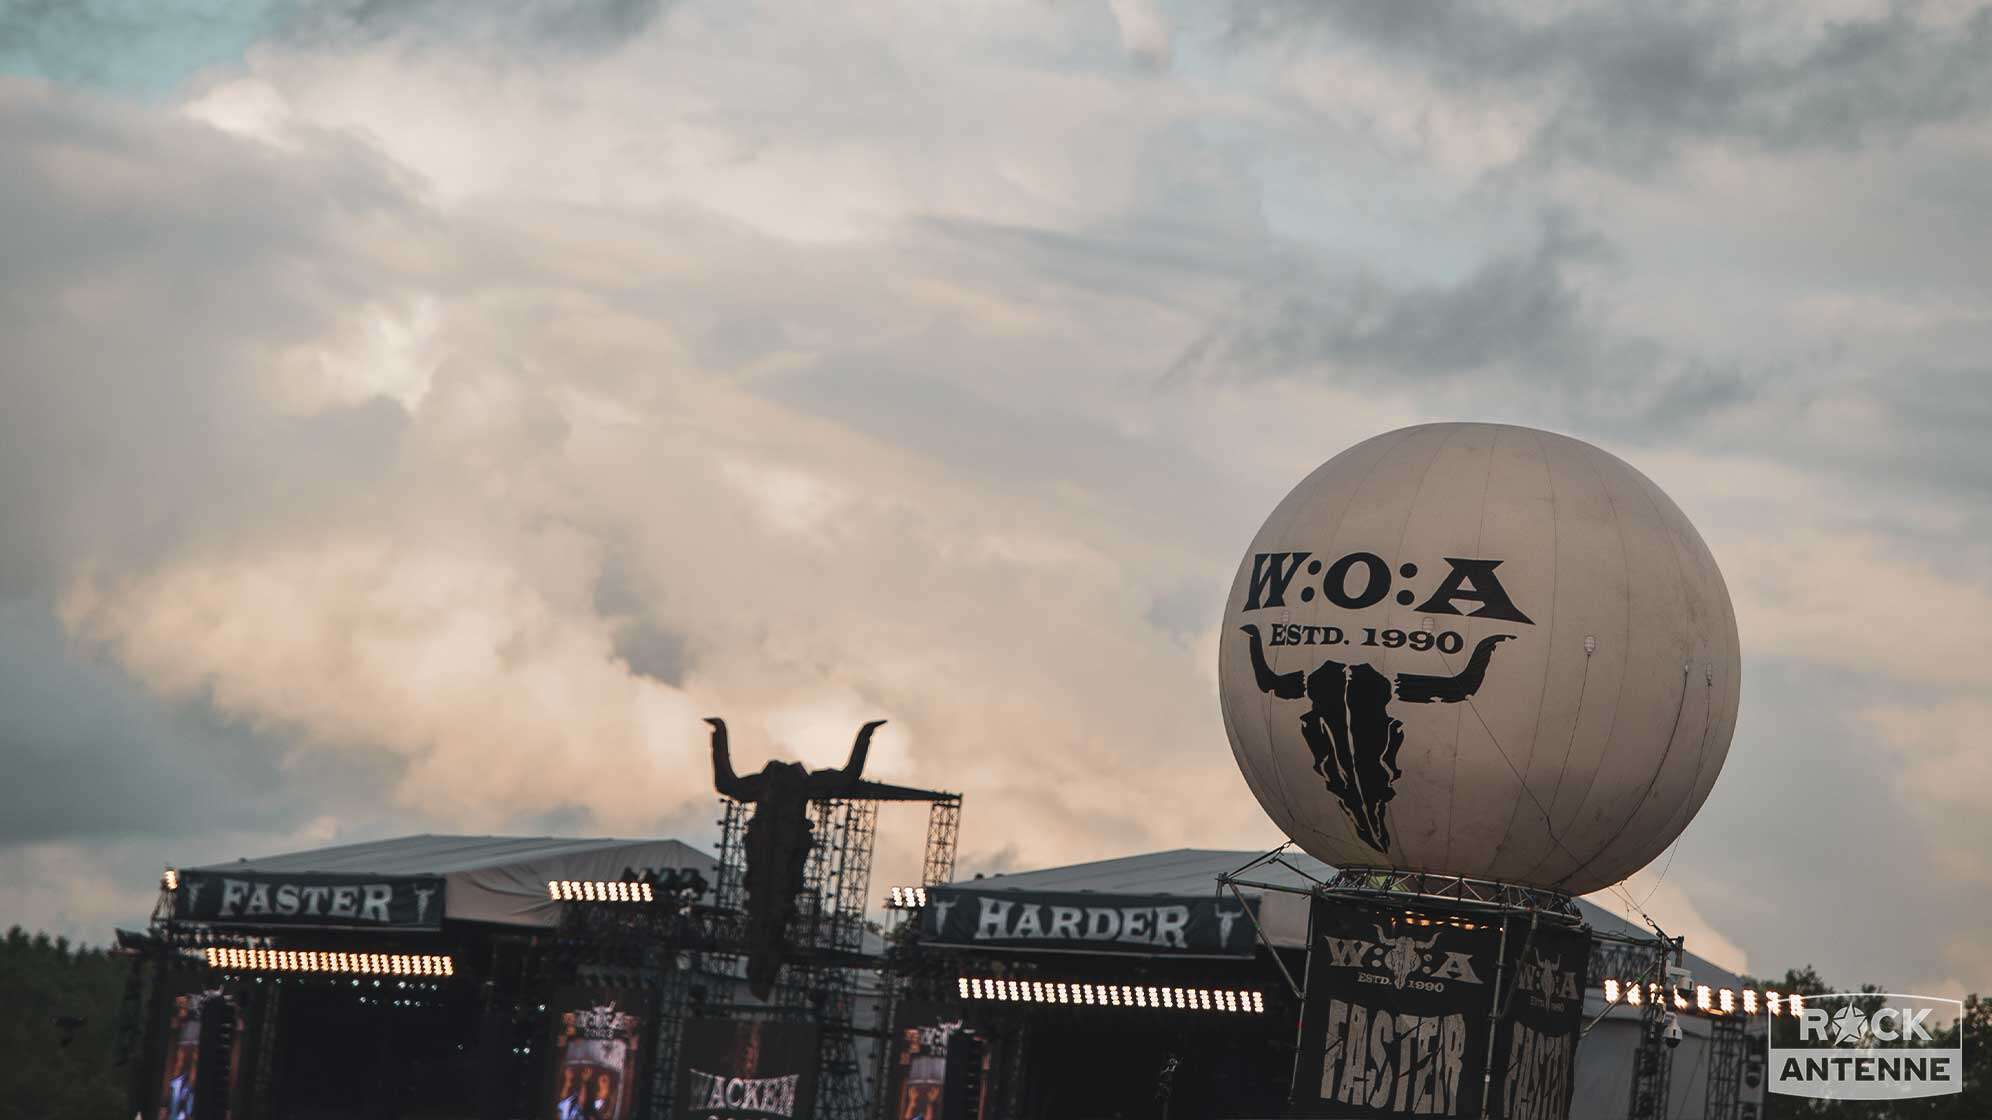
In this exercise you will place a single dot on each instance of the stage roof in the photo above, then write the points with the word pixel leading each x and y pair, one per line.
pixel 498 879
pixel 1194 872
pixel 1181 871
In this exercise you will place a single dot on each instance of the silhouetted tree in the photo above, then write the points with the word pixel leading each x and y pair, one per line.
pixel 58 1025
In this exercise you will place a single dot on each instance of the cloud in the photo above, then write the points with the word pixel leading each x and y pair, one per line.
pixel 1518 319
pixel 1627 87
pixel 424 414
pixel 530 25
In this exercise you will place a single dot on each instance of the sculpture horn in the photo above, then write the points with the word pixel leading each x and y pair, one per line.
pixel 859 749
pixel 723 778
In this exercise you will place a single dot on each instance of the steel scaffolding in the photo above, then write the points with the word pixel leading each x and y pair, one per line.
pixel 943 831
pixel 1728 1046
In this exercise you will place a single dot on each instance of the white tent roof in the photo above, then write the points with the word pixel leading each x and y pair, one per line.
pixel 1193 872
pixel 500 879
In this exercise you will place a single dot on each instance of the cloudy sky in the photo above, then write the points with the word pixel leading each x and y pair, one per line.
pixel 419 413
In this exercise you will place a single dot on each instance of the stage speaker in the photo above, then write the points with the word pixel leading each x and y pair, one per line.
pixel 961 1099
pixel 217 1056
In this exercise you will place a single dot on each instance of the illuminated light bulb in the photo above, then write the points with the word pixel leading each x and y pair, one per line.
pixel 1611 991
pixel 1704 998
pixel 964 987
pixel 1774 1002
pixel 1749 1001
pixel 1795 1003
pixel 1258 1004
pixel 1726 1000
pixel 1680 1001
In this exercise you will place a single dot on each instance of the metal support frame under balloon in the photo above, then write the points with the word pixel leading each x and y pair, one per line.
pixel 1373 884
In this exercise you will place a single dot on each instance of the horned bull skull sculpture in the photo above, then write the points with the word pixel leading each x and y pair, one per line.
pixel 779 837
pixel 1350 730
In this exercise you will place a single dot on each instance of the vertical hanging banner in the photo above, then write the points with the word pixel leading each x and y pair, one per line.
pixel 747 1071
pixel 1399 1007
pixel 1535 1047
pixel 597 1054
pixel 1397 1013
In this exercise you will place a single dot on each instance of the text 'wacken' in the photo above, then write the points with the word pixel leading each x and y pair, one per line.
pixel 772 1096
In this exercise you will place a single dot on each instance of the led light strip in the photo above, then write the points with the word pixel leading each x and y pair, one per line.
pixel 1245 1001
pixel 906 898
pixel 1703 999
pixel 313 960
pixel 1413 918
pixel 599 890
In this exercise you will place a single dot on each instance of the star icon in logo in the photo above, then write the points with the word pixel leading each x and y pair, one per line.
pixel 1850 1026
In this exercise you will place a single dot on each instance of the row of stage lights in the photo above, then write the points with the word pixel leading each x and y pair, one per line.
pixel 1705 1000
pixel 1413 918
pixel 600 890
pixel 308 960
pixel 1239 1000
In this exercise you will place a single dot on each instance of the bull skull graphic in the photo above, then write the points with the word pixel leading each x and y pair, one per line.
pixel 1403 955
pixel 1349 728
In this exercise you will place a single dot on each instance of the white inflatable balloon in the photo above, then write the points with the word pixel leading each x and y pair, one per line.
pixel 1480 650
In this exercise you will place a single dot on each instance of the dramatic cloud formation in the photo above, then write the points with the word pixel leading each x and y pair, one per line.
pixel 420 414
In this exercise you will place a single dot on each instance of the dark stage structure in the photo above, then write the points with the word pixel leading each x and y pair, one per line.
pixel 503 977
pixel 495 977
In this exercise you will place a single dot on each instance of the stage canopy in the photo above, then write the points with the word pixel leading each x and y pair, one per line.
pixel 1192 873
pixel 496 879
